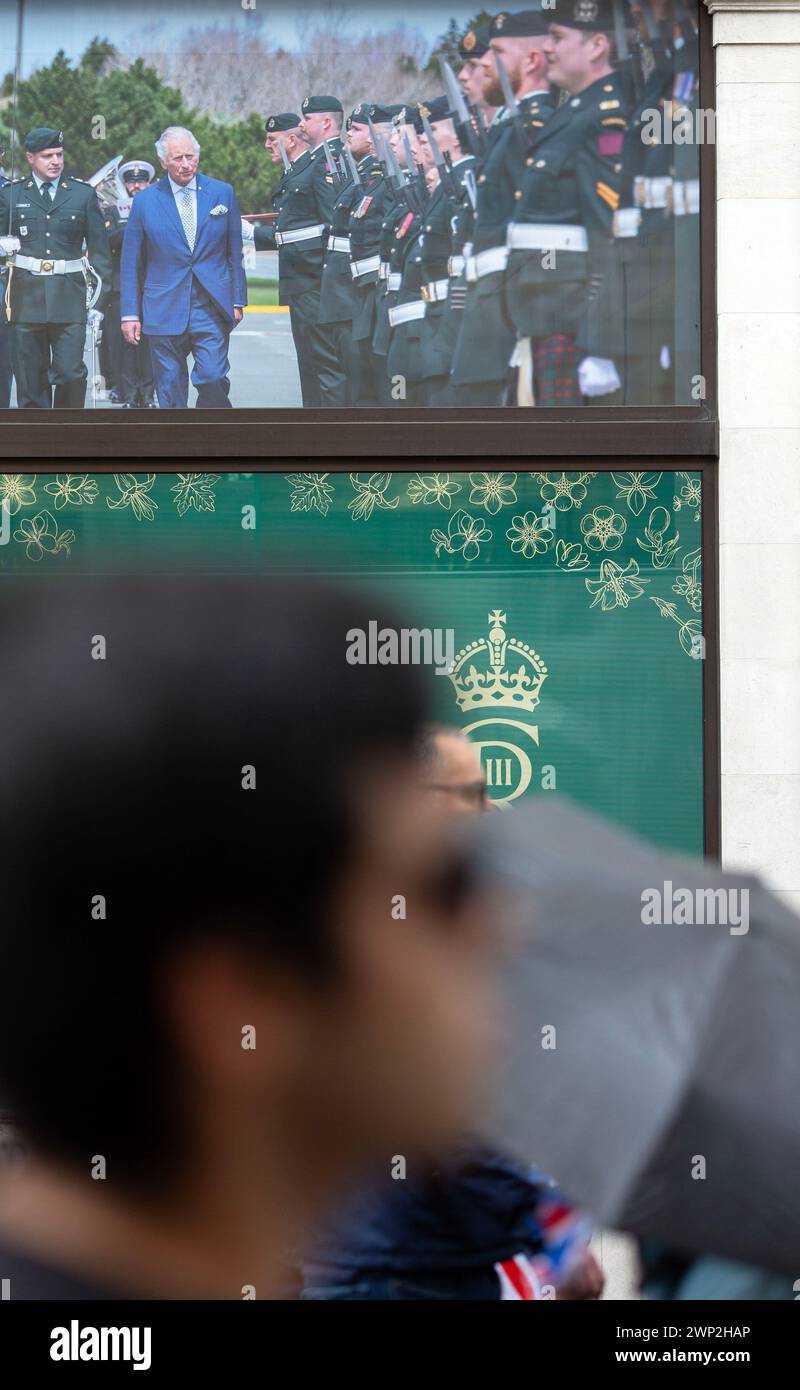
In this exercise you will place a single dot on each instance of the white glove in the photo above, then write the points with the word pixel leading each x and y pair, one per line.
pixel 597 376
pixel 9 244
pixel 248 232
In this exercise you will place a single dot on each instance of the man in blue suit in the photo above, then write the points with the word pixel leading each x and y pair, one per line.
pixel 182 278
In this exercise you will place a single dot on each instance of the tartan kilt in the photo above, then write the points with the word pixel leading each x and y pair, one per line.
pixel 555 370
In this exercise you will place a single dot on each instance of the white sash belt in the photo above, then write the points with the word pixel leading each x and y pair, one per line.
pixel 299 234
pixel 490 261
pixel 47 267
pixel 404 313
pixel 546 236
pixel 686 198
pixel 339 243
pixel 435 291
pixel 365 267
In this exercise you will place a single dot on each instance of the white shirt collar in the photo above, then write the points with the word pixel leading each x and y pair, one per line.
pixel 178 187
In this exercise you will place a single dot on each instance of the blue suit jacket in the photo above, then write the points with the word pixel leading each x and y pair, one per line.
pixel 157 265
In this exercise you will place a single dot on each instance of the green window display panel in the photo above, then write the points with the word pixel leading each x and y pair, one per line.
pixel 572 600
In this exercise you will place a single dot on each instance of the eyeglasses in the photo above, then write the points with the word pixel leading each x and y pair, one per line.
pixel 474 793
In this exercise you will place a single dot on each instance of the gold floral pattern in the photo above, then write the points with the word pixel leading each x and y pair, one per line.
pixel 491 491
pixel 690 632
pixel 688 585
pixel 135 495
pixel 528 535
pixel 603 529
pixel 564 493
pixel 17 490
pixel 40 535
pixel 662 552
pixel 429 488
pixel 310 491
pixel 571 556
pixel 690 496
pixel 195 490
pixel 73 490
pixel 465 535
pixel 616 586
pixel 370 495
pixel 637 489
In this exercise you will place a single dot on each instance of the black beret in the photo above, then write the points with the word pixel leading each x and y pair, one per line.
pixel 596 15
pixel 285 120
pixel 43 138
pixel 437 109
pixel 525 24
pixel 381 115
pixel 318 105
pixel 474 43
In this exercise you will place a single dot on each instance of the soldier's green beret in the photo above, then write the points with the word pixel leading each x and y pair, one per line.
pixel 596 15
pixel 359 114
pixel 474 43
pixel 285 120
pixel 525 24
pixel 43 138
pixel 319 105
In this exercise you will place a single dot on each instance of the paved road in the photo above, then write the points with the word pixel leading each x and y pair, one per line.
pixel 263 364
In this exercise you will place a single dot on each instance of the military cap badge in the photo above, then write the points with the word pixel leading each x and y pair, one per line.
pixel 424 110
pixel 499 21
pixel 468 42
pixel 586 11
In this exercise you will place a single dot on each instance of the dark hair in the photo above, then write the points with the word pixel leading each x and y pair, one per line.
pixel 123 777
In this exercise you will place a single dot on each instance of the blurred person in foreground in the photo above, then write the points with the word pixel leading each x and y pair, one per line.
pixel 202 1033
pixel 471 1224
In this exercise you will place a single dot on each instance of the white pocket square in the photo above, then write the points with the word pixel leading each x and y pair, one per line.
pixel 218 210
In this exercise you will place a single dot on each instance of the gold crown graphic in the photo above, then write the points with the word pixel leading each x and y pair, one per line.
pixel 490 684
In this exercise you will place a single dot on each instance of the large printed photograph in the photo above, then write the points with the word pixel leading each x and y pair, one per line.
pixel 260 205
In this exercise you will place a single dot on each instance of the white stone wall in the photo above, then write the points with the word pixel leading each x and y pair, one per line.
pixel 757 46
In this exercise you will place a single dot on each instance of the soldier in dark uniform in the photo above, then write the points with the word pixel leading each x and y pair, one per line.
pixel 400 224
pixel 560 239
pixel 284 144
pixel 52 216
pixel 6 375
pixel 338 298
pixel 301 236
pixel 686 207
pixel 367 216
pixel 136 384
pixel 487 336
pixel 406 362
pixel 643 229
pixel 453 192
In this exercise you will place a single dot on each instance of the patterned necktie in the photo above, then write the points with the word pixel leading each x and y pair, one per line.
pixel 186 207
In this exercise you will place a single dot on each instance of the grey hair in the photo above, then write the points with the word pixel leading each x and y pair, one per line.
pixel 171 132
